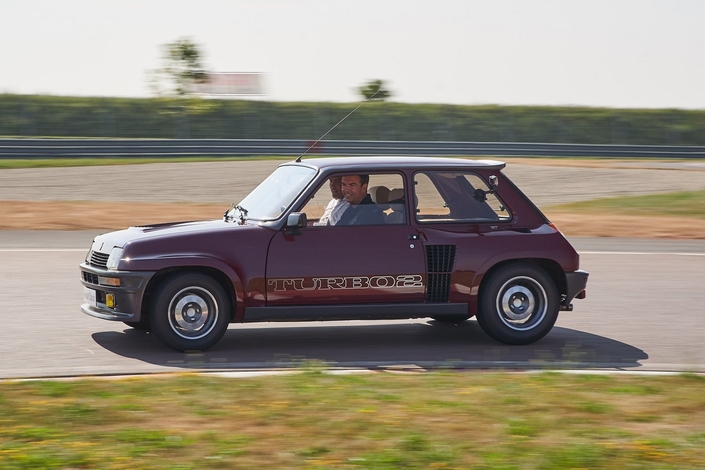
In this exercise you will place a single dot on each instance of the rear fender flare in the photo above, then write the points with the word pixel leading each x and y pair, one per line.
pixel 551 267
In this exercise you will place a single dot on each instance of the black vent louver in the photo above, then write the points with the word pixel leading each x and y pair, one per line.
pixel 90 277
pixel 99 259
pixel 440 260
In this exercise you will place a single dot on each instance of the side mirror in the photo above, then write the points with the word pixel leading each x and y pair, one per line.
pixel 295 223
pixel 494 182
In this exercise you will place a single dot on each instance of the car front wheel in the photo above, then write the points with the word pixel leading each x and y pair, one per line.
pixel 138 325
pixel 518 304
pixel 190 311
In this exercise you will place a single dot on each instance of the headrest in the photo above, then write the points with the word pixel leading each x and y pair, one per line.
pixel 379 194
pixel 396 194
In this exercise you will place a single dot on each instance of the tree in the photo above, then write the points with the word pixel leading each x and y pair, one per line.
pixel 181 68
pixel 375 90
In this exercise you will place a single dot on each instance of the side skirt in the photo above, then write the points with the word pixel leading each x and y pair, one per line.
pixel 353 312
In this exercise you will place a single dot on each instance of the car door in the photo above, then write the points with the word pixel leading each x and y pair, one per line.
pixel 346 265
pixel 349 264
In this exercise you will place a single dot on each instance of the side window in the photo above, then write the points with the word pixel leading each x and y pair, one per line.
pixel 429 202
pixel 378 201
pixel 316 206
pixel 455 197
pixel 387 191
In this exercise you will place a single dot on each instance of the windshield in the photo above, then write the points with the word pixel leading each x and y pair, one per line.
pixel 273 195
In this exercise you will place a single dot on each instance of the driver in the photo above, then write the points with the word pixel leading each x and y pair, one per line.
pixel 362 210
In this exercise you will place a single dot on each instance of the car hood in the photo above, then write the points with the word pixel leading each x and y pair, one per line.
pixel 106 242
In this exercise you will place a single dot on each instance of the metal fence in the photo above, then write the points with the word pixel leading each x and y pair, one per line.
pixel 156 148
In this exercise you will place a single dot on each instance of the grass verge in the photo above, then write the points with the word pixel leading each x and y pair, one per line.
pixel 89 215
pixel 679 215
pixel 689 204
pixel 381 421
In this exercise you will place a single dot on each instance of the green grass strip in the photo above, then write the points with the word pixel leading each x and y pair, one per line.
pixel 679 204
pixel 380 421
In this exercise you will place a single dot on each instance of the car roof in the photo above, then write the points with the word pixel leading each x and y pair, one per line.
pixel 396 162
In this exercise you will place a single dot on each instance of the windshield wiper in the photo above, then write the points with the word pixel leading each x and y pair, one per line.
pixel 228 217
pixel 243 213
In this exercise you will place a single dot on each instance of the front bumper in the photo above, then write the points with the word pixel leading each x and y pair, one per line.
pixel 128 296
pixel 575 282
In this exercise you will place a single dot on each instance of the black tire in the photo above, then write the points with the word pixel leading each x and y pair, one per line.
pixel 190 312
pixel 451 318
pixel 138 325
pixel 518 304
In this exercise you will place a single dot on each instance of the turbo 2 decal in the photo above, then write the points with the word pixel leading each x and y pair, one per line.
pixel 349 282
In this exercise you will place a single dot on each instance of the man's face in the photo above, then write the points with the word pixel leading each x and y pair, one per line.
pixel 353 189
pixel 335 187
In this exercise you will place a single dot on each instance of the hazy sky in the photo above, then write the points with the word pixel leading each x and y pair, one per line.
pixel 615 53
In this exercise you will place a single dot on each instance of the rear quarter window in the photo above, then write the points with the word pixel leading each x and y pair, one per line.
pixel 447 196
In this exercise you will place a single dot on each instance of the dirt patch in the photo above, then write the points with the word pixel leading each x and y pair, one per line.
pixel 37 215
pixel 65 215
pixel 627 226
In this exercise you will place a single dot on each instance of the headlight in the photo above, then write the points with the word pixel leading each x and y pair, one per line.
pixel 114 259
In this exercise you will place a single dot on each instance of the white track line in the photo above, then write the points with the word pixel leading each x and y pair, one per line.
pixel 85 250
pixel 42 250
pixel 638 253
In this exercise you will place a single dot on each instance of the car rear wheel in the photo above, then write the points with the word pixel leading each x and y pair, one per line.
pixel 518 304
pixel 190 311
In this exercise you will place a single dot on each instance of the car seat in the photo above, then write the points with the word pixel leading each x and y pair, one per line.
pixel 396 203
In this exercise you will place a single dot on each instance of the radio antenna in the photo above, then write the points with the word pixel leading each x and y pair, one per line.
pixel 336 125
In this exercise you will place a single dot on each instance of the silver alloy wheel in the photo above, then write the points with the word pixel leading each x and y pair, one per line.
pixel 521 303
pixel 193 312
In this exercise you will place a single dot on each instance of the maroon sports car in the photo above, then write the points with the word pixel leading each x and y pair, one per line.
pixel 414 237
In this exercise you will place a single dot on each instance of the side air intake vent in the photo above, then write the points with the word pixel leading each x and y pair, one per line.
pixel 440 260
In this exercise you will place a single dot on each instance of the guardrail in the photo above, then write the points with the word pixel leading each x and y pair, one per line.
pixel 155 148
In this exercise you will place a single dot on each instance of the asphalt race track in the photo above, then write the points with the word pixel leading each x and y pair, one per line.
pixel 644 312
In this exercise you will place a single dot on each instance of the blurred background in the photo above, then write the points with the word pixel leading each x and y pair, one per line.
pixel 603 72
pixel 194 118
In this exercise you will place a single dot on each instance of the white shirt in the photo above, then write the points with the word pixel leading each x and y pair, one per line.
pixel 334 210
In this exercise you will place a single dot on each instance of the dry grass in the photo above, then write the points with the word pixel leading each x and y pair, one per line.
pixel 38 215
pixel 34 215
pixel 586 224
